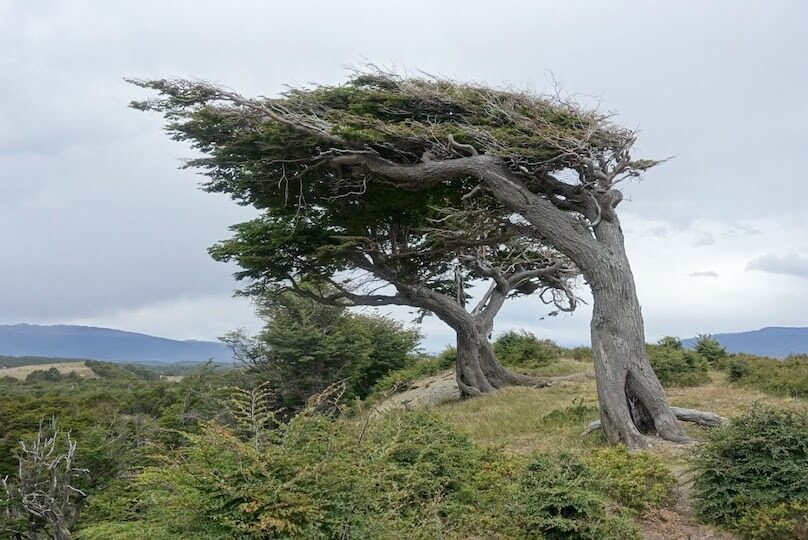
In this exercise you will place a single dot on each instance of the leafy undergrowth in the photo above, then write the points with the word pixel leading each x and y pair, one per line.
pixel 753 475
pixel 405 474
pixel 549 422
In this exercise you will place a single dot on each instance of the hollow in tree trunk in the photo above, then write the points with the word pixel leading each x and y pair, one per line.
pixel 633 405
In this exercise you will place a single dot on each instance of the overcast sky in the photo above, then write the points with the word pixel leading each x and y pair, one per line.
pixel 97 225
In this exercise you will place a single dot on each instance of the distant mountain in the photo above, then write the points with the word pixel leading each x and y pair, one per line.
pixel 88 342
pixel 774 341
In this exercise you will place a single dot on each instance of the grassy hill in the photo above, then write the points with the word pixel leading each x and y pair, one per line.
pixel 524 422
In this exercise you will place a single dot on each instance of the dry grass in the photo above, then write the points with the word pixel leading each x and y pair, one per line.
pixel 21 372
pixel 512 419
pixel 515 421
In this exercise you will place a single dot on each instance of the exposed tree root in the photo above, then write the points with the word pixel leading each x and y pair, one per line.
pixel 542 382
pixel 701 418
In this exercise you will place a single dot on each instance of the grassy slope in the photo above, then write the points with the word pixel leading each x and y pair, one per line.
pixel 513 418
pixel 516 421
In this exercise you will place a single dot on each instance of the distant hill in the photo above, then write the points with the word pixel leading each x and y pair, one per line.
pixel 88 342
pixel 774 341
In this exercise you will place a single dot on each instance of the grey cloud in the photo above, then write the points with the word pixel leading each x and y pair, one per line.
pixel 659 232
pixel 704 239
pixel 704 273
pixel 94 216
pixel 743 230
pixel 791 264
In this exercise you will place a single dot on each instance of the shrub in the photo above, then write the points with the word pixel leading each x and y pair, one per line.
pixel 307 346
pixel 556 500
pixel 640 481
pixel 677 367
pixel 670 342
pixel 738 368
pixel 404 475
pixel 787 377
pixel 748 471
pixel 575 414
pixel 788 520
pixel 523 349
pixel 710 349
pixel 41 375
pixel 580 354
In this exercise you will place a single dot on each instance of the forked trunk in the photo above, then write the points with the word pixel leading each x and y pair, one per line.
pixel 632 401
pixel 471 378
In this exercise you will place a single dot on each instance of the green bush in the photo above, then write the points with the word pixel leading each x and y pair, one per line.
pixel 575 414
pixel 788 377
pixel 523 349
pixel 579 354
pixel 557 500
pixel 671 342
pixel 747 471
pixel 677 367
pixel 405 475
pixel 307 346
pixel 640 481
pixel 711 350
pixel 784 521
pixel 738 368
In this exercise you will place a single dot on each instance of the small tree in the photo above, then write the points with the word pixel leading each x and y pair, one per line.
pixel 710 349
pixel 670 342
pixel 43 497
pixel 307 346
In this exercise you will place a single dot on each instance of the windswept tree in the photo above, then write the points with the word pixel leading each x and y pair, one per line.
pixel 546 165
pixel 339 238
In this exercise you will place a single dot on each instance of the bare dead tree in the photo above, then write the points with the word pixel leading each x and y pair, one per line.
pixel 43 498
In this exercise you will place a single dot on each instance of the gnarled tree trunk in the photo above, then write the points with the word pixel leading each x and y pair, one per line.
pixel 632 401
pixel 478 370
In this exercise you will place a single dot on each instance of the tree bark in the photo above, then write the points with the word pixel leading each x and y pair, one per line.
pixel 478 371
pixel 633 404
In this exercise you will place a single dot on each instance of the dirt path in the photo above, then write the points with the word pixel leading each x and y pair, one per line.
pixel 679 522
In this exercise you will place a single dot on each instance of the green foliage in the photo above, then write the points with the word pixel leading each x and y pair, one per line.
pixel 112 418
pixel 44 376
pixel 16 361
pixel 788 377
pixel 307 346
pixel 575 414
pixel 639 481
pixel 676 366
pixel 557 500
pixel 711 350
pixel 738 368
pixel 406 475
pixel 752 468
pixel 783 521
pixel 523 349
pixel 670 342
pixel 422 367
pixel 579 354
